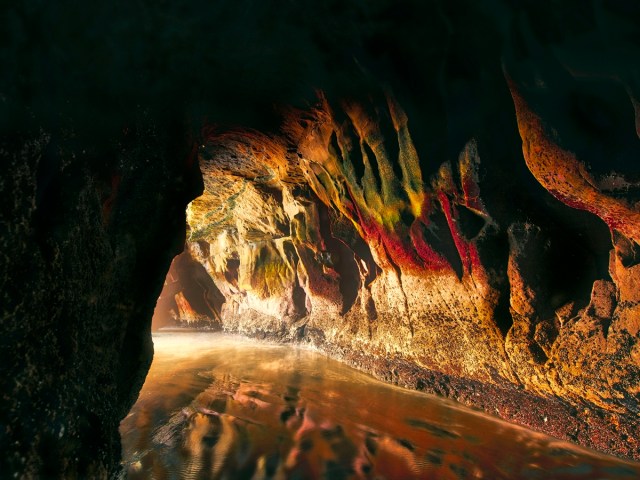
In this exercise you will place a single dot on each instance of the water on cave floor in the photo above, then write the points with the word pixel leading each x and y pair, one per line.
pixel 223 407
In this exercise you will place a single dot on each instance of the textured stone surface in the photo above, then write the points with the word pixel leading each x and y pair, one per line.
pixel 340 243
pixel 78 282
pixel 344 234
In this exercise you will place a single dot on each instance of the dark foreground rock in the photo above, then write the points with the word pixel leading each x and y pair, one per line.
pixel 82 267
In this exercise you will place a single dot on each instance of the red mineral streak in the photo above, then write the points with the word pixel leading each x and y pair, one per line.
pixel 471 194
pixel 432 260
pixel 460 244
pixel 565 177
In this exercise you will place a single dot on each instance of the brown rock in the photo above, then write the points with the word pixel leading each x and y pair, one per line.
pixel 603 299
pixel 566 313
pixel 626 278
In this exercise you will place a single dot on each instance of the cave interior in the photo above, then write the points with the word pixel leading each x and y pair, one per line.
pixel 443 194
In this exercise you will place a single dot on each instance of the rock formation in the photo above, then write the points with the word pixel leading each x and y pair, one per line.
pixel 339 231
pixel 82 266
pixel 444 194
pixel 337 234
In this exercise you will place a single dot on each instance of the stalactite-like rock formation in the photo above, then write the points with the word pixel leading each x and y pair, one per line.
pixel 335 232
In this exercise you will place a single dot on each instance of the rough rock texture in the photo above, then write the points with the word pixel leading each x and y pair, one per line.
pixel 189 297
pixel 446 195
pixel 80 272
pixel 333 240
pixel 371 240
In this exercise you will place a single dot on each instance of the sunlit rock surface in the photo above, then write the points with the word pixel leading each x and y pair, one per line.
pixel 337 231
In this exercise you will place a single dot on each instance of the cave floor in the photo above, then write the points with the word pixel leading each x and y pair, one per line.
pixel 222 406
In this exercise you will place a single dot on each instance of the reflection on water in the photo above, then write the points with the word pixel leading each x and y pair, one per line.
pixel 221 407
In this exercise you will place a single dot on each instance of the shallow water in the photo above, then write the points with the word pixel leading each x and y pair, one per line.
pixel 223 407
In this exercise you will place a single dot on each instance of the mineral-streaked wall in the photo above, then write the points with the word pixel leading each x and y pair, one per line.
pixel 337 234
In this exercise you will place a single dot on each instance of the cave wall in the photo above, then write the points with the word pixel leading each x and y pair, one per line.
pixel 500 251
pixel 329 234
pixel 82 267
pixel 322 236
pixel 442 193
